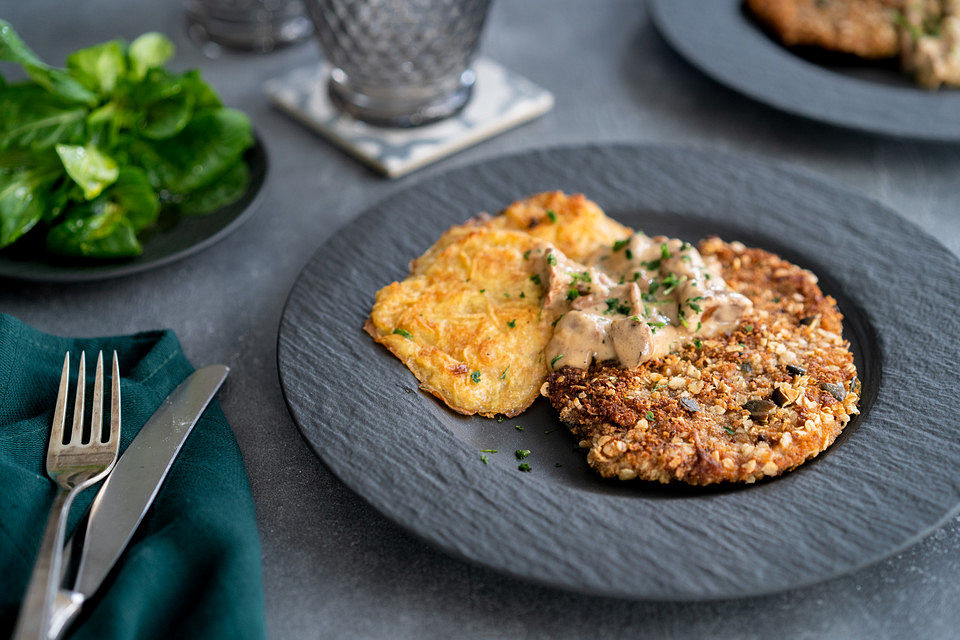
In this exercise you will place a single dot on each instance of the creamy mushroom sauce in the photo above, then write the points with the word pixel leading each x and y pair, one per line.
pixel 634 301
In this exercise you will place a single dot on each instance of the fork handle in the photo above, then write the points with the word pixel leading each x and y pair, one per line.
pixel 34 618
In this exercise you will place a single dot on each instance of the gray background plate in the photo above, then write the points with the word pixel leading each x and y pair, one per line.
pixel 881 487
pixel 722 40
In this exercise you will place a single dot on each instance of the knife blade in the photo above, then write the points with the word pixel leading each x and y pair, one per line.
pixel 132 485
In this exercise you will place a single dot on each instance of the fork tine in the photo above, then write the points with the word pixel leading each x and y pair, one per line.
pixel 59 414
pixel 77 432
pixel 96 420
pixel 115 404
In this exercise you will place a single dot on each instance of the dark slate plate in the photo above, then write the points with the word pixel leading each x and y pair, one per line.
pixel 722 40
pixel 889 479
pixel 176 239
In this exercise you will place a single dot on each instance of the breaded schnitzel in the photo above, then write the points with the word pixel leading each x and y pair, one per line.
pixel 737 407
pixel 866 28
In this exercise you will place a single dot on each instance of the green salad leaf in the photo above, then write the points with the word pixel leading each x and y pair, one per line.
pixel 91 153
pixel 99 67
pixel 165 103
pixel 228 188
pixel 133 193
pixel 23 200
pixel 90 168
pixel 149 51
pixel 32 117
pixel 212 142
pixel 95 229
pixel 57 81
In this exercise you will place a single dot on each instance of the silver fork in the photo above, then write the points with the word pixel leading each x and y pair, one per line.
pixel 74 465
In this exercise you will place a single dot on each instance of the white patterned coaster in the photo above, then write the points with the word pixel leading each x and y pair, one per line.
pixel 501 100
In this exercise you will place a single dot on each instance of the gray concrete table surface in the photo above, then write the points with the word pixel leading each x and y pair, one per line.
pixel 335 568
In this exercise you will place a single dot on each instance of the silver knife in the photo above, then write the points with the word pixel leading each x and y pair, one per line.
pixel 130 489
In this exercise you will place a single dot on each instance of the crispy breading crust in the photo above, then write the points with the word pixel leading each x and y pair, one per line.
pixel 639 423
pixel 865 28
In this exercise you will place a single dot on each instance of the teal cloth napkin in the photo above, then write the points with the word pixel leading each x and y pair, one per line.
pixel 193 568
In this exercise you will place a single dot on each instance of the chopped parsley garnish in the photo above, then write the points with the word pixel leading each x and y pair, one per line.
pixel 482 290
pixel 583 276
pixel 649 415
pixel 551 215
pixel 535 278
pixel 728 429
pixel 522 453
pixel 698 343
pixel 686 259
pixel 707 276
pixel 512 323
pixel 523 294
pixel 518 427
pixel 572 294
pixel 553 360
pixel 748 328
pixel 551 259
pixel 685 246
pixel 651 265
pixel 620 244
pixel 475 376
pixel 489 451
pixel 483 459
pixel 656 325
pixel 654 285
pixel 614 305
pixel 629 254
pixel 506 295
pixel 636 276
pixel 699 324
pixel 671 281
pixel 635 318
pixel 526 254
pixel 665 252
pixel 696 308
pixel 554 323
pixel 524 467
pixel 404 333
pixel 503 374
pixel 777 299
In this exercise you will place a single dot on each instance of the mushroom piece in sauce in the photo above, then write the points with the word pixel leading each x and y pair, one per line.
pixel 635 301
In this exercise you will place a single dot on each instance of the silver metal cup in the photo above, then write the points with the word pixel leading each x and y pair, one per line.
pixel 399 63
